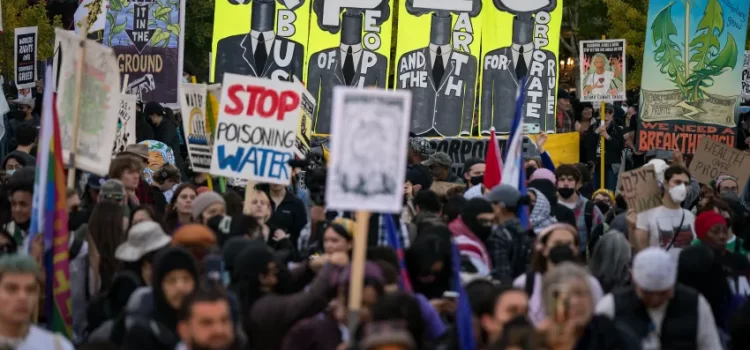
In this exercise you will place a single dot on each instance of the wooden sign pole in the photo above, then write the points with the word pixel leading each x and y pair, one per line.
pixel 249 189
pixel 602 112
pixel 77 108
pixel 359 255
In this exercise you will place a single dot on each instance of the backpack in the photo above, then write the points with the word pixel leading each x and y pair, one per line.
pixel 103 307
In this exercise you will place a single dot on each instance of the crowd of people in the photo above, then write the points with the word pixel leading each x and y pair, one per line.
pixel 179 263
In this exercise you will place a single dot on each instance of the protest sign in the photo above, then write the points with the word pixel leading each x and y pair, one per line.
pixel 91 14
pixel 444 94
pixel 256 129
pixel 198 140
pixel 691 83
pixel 366 170
pixel 640 188
pixel 746 78
pixel 305 124
pixel 125 123
pixel 99 104
pixel 602 64
pixel 147 37
pixel 25 56
pixel 713 159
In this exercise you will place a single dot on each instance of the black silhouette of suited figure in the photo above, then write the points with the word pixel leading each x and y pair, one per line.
pixel 260 53
pixel 500 85
pixel 445 105
pixel 349 64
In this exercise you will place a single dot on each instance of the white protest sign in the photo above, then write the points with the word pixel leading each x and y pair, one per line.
pixel 256 129
pixel 370 131
pixel 197 131
pixel 99 102
pixel 25 57
pixel 125 123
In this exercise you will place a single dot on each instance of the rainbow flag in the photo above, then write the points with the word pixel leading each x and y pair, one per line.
pixel 50 217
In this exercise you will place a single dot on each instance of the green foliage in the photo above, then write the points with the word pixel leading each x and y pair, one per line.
pixel 667 51
pixel 17 14
pixel 709 29
pixel 161 18
pixel 627 20
pixel 199 27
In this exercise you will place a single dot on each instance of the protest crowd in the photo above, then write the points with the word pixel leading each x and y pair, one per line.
pixel 266 210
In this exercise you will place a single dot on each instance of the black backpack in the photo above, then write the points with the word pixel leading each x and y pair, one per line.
pixel 105 305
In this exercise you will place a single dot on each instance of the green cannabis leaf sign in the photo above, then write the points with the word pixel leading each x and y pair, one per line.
pixel 707 57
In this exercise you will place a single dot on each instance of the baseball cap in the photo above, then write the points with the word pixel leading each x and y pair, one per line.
pixel 143 238
pixel 112 190
pixel 439 158
pixel 505 194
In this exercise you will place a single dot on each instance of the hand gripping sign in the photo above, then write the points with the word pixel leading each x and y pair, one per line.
pixel 256 129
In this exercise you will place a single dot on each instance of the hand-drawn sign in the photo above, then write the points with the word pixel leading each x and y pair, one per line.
pixel 640 188
pixel 713 159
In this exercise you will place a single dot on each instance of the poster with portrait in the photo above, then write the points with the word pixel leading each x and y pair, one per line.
pixel 366 169
pixel 260 38
pixel 692 73
pixel 148 39
pixel 746 78
pixel 349 45
pixel 602 65
pixel 437 59
pixel 519 38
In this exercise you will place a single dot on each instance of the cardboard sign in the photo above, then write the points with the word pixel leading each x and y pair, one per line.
pixel 715 158
pixel 640 188
pixel 442 188
pixel 193 99
pixel 257 129
pixel 26 51
pixel 125 124
pixel 370 133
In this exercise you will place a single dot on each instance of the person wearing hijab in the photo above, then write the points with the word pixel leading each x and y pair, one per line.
pixel 559 211
pixel 470 232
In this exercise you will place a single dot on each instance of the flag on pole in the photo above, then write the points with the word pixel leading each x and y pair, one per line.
pixel 49 216
pixel 464 327
pixel 493 162
pixel 513 171
pixel 395 244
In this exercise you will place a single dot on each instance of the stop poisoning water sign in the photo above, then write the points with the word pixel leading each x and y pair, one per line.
pixel 256 129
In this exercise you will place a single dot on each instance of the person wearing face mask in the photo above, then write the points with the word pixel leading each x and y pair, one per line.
pixel 663 313
pixel 668 226
pixel 555 245
pixel 474 172
pixel 726 184
pixel 470 232
pixel 569 181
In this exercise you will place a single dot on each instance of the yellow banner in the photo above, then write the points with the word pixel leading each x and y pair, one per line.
pixel 519 38
pixel 562 148
pixel 348 45
pixel 438 60
pixel 242 29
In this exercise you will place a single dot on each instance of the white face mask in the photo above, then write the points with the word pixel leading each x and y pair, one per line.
pixel 10 172
pixel 678 193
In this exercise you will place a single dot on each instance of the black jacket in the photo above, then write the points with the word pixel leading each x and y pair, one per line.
pixel 290 215
pixel 613 147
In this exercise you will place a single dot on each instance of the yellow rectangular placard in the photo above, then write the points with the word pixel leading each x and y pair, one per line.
pixel 242 28
pixel 437 58
pixel 349 44
pixel 519 38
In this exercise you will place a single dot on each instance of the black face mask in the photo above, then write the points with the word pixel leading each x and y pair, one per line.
pixel 529 171
pixel 603 207
pixel 566 192
pixel 476 180
pixel 561 253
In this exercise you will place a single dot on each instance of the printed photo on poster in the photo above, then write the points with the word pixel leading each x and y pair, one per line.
pixel 125 123
pixel 193 100
pixel 438 53
pixel 97 124
pixel 692 79
pixel 148 37
pixel 746 78
pixel 304 133
pixel 261 38
pixel 519 38
pixel 25 57
pixel 349 45
pixel 360 178
pixel 257 129
pixel 602 64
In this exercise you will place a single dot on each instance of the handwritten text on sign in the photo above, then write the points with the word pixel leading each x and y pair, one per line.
pixel 257 129
pixel 640 189
pixel 715 158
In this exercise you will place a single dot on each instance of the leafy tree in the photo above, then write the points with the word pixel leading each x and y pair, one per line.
pixel 18 14
pixel 199 28
pixel 627 20
pixel 592 24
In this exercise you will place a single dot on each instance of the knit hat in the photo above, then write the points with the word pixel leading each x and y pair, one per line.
pixel 205 200
pixel 654 270
pixel 143 238
pixel 193 235
pixel 705 221
pixel 544 174
pixel 605 192
pixel 112 190
pixel 722 178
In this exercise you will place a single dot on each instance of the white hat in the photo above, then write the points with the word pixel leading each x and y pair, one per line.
pixel 28 101
pixel 654 270
pixel 143 238
pixel 660 166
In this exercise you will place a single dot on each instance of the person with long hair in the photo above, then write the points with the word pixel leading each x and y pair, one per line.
pixel 179 211
pixel 610 262
pixel 554 245
pixel 142 214
pixel 106 232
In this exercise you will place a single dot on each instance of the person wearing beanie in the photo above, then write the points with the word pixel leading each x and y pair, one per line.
pixel 198 239
pixel 152 313
pixel 471 230
pixel 207 205
pixel 711 229
pixel 663 313
pixel 545 174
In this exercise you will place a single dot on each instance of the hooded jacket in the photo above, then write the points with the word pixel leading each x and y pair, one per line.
pixel 23 158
